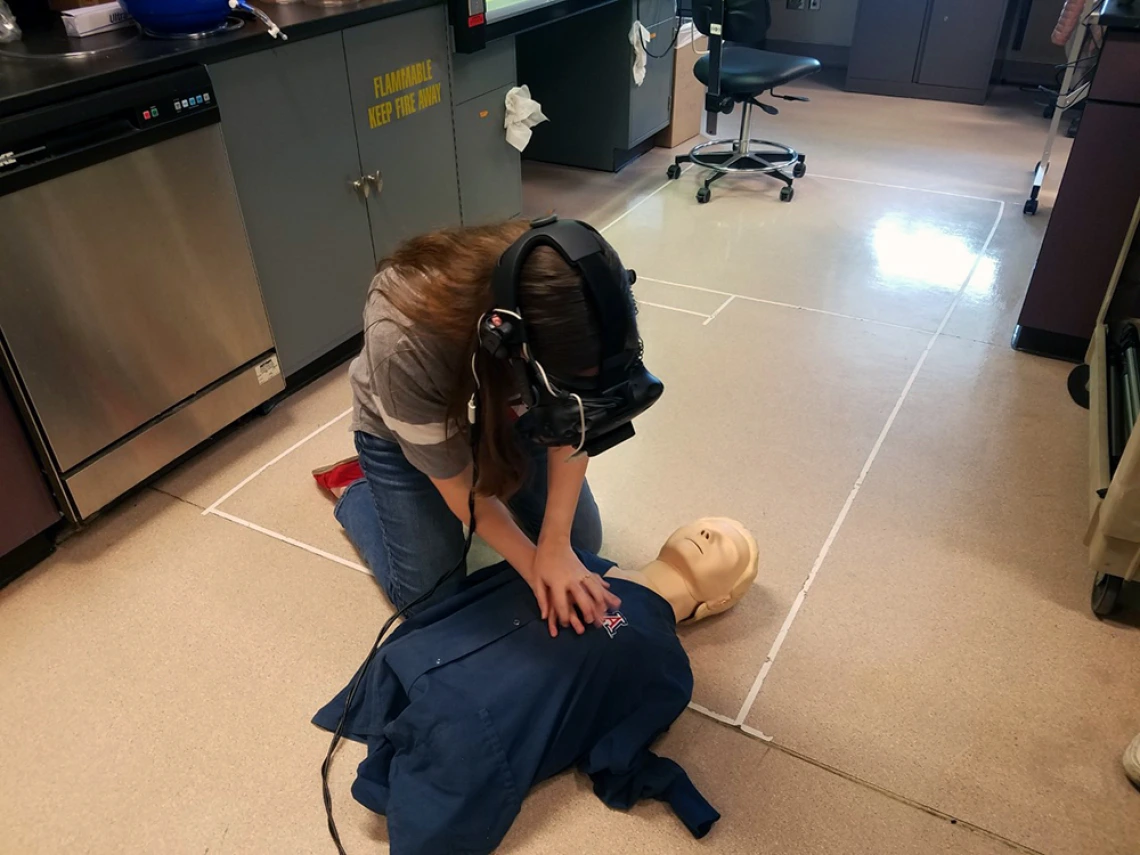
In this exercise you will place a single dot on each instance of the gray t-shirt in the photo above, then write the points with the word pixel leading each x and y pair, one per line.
pixel 400 383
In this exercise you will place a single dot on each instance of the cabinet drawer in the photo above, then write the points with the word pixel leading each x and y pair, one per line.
pixel 475 74
pixel 649 102
pixel 490 174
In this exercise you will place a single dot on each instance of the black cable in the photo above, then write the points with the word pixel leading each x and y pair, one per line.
pixel 461 565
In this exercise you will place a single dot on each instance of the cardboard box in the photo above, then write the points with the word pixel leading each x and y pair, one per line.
pixel 688 92
pixel 91 20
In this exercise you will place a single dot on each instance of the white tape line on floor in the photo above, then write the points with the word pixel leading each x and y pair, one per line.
pixel 276 459
pixel 781 305
pixel 276 535
pixel 794 611
pixel 639 203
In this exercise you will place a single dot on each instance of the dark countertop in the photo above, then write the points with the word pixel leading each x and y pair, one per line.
pixel 1120 14
pixel 29 83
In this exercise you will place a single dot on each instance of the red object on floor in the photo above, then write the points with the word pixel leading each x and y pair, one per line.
pixel 339 474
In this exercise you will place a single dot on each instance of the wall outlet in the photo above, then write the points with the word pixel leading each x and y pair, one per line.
pixel 813 5
pixel 797 4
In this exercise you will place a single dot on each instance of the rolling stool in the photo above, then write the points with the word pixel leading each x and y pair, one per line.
pixel 734 74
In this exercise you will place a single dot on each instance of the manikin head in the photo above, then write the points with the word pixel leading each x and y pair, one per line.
pixel 705 567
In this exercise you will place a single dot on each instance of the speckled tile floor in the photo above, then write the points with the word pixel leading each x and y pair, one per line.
pixel 916 670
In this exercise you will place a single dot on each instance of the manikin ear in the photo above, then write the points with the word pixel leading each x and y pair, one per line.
pixel 705 610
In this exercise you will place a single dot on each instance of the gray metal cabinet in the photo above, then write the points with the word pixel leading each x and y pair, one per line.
pixel 649 103
pixel 961 41
pixel 887 37
pixel 288 127
pixel 653 12
pixel 490 172
pixel 401 104
pixel 475 74
pixel 304 123
pixel 940 49
pixel 580 70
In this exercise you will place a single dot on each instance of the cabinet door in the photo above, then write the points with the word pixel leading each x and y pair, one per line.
pixel 490 172
pixel 1089 224
pixel 401 101
pixel 961 42
pixel 26 505
pixel 653 12
pixel 886 40
pixel 649 102
pixel 288 126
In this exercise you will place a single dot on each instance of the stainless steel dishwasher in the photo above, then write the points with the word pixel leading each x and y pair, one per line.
pixel 131 319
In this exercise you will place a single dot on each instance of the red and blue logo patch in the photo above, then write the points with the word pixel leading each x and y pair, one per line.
pixel 612 622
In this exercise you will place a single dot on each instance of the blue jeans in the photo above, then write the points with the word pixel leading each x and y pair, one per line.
pixel 408 536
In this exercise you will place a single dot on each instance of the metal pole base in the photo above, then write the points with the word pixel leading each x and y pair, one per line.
pixel 774 158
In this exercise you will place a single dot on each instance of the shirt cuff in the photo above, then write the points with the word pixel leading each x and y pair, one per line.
pixel 690 806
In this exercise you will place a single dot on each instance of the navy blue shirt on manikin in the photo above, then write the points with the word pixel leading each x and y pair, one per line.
pixel 469 704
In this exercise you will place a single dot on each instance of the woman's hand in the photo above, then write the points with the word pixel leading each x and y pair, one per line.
pixel 568 594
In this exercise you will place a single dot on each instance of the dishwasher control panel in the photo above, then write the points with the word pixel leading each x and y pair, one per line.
pixel 174 107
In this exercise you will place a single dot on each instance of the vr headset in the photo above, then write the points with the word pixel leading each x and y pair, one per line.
pixel 591 414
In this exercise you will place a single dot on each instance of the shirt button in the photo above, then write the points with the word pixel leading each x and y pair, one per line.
pixel 437 661
pixel 518 622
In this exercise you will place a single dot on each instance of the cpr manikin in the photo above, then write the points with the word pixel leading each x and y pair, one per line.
pixel 703 569
pixel 471 703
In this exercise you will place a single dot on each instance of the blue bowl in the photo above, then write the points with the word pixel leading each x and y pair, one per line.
pixel 178 16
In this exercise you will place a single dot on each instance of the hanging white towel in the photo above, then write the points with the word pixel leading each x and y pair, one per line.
pixel 639 38
pixel 523 113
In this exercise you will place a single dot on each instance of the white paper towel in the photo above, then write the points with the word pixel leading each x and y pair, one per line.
pixel 523 113
pixel 639 38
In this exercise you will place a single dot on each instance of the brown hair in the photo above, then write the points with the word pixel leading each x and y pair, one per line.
pixel 443 285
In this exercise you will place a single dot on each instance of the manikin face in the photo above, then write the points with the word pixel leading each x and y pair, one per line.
pixel 717 558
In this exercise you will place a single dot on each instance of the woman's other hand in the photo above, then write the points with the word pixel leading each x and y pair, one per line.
pixel 568 594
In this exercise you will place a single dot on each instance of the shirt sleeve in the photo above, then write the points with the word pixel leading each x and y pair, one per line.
pixel 648 776
pixel 624 771
pixel 415 411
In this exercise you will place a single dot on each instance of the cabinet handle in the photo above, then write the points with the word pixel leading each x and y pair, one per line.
pixel 360 185
pixel 377 178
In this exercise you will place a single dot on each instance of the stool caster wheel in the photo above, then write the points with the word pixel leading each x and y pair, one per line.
pixel 799 170
pixel 673 172
pixel 787 194
pixel 1030 207
pixel 1078 384
pixel 703 195
pixel 1105 592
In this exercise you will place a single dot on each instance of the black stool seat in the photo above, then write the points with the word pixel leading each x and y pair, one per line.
pixel 748 71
